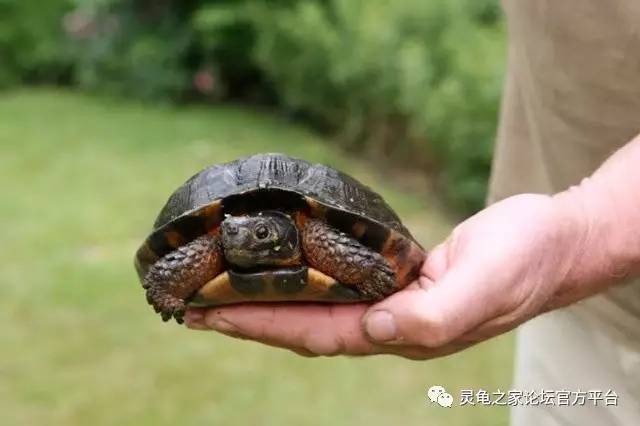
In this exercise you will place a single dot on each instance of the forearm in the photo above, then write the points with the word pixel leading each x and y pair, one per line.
pixel 604 212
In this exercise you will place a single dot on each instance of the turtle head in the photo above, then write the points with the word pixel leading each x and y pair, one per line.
pixel 261 239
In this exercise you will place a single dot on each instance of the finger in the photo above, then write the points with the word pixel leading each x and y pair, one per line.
pixel 195 318
pixel 495 326
pixel 436 263
pixel 322 329
pixel 433 314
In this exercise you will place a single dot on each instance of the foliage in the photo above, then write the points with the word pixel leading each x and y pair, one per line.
pixel 415 81
pixel 412 81
pixel 225 36
pixel 32 47
pixel 135 48
pixel 163 50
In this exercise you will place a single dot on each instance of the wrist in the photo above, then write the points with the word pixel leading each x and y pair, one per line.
pixel 599 238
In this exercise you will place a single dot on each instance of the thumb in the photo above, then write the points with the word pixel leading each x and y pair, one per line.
pixel 432 313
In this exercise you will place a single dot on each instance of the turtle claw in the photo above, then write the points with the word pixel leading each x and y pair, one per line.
pixel 179 318
pixel 167 305
pixel 180 273
pixel 172 308
pixel 177 314
pixel 383 277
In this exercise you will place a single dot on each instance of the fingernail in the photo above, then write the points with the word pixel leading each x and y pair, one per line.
pixel 220 324
pixel 381 327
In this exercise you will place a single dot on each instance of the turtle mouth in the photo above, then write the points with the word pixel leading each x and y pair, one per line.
pixel 259 260
pixel 245 259
pixel 256 269
pixel 265 270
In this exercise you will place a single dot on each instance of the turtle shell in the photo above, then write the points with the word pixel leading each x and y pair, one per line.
pixel 277 181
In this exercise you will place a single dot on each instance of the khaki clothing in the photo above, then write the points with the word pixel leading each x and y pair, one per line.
pixel 572 97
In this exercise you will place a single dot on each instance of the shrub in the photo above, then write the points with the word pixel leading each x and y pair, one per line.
pixel 32 47
pixel 412 81
pixel 415 81
pixel 135 48
pixel 168 50
pixel 224 38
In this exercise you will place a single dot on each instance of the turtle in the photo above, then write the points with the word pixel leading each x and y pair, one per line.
pixel 272 228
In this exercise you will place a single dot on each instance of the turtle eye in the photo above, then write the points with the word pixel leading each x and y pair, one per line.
pixel 261 232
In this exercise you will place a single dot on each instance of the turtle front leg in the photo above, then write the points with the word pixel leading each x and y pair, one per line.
pixel 180 273
pixel 347 260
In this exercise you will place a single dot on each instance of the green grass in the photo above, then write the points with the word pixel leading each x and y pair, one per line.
pixel 82 179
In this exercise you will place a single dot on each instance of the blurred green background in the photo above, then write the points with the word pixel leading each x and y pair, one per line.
pixel 106 106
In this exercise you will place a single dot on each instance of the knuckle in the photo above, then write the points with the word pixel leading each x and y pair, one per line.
pixel 432 329
pixel 322 345
pixel 435 338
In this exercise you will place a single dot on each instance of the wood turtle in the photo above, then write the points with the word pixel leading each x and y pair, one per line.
pixel 274 228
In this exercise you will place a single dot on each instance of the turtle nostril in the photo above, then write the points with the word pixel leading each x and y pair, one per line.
pixel 232 229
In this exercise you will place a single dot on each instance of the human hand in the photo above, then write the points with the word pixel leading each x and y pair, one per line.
pixel 501 267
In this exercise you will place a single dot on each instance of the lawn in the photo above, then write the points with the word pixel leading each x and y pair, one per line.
pixel 82 180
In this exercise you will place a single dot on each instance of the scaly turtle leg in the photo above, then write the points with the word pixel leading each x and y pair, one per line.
pixel 347 260
pixel 180 273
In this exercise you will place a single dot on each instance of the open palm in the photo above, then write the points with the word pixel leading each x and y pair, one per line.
pixel 496 270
